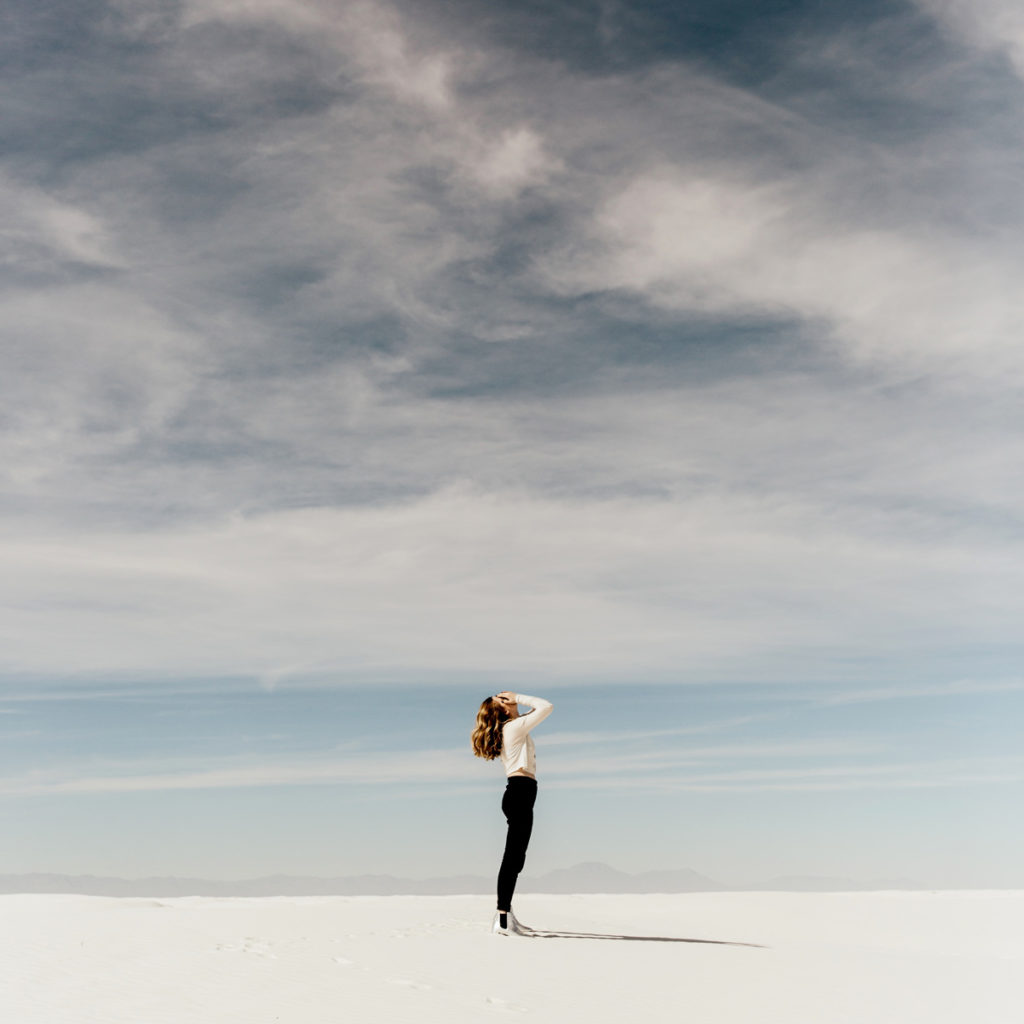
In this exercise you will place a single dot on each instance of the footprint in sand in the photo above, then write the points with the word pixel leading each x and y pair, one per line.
pixel 250 945
pixel 258 947
pixel 503 1004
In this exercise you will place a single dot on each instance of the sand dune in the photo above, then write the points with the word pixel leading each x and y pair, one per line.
pixel 791 958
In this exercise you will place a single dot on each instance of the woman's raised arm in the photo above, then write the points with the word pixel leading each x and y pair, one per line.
pixel 541 709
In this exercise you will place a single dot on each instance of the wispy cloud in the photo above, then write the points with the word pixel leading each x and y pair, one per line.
pixel 909 776
pixel 700 241
pixel 556 738
pixel 813 767
pixel 529 582
pixel 361 341
pixel 449 766
pixel 995 25
pixel 957 688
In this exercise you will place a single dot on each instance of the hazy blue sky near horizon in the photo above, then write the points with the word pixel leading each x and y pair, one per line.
pixel 363 358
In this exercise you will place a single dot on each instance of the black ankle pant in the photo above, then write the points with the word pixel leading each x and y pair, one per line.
pixel 517 806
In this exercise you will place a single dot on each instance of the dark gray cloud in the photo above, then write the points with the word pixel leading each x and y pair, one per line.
pixel 86 83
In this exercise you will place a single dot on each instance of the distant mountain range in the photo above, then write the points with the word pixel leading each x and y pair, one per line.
pixel 589 877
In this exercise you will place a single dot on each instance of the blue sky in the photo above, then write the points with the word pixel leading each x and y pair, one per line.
pixel 362 359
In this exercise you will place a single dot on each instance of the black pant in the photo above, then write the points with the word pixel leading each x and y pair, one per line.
pixel 517 806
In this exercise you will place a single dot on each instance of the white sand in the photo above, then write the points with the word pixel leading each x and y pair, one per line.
pixel 856 958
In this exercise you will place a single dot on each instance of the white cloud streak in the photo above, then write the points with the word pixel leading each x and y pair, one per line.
pixel 996 25
pixel 627 736
pixel 470 580
pixel 625 771
pixel 958 688
pixel 40 230
pixel 690 241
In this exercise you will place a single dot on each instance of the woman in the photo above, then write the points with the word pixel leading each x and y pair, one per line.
pixel 502 732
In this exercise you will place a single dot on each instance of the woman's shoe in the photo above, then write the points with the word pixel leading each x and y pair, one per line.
pixel 512 925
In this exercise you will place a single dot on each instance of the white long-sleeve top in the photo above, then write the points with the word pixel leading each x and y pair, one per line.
pixel 517 751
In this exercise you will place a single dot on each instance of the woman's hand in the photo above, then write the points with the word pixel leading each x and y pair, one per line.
pixel 506 697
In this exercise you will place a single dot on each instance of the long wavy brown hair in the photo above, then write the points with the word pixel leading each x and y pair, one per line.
pixel 486 738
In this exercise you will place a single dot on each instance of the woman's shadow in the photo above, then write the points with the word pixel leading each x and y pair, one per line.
pixel 541 933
